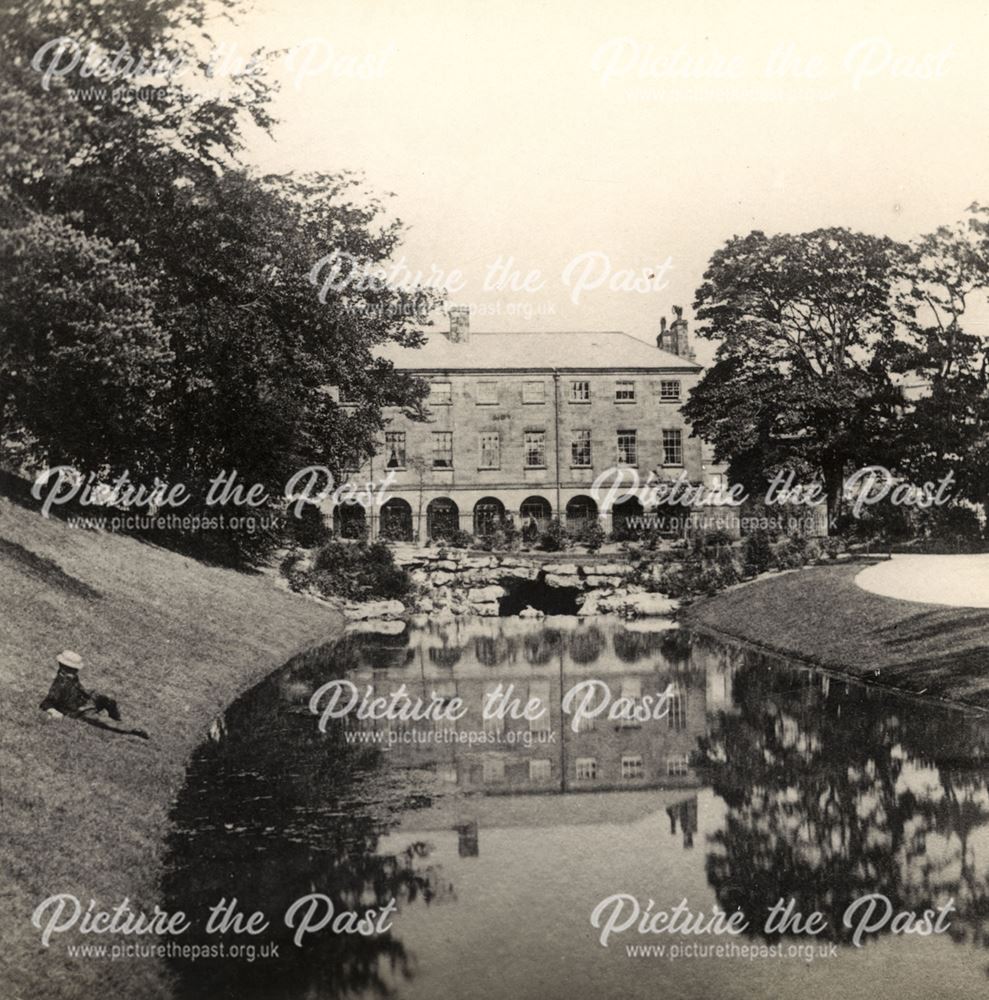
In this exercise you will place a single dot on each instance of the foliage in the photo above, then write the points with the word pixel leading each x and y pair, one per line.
pixel 804 323
pixel 157 308
pixel 757 551
pixel 359 571
pixel 953 528
pixel 309 529
pixel 460 539
pixel 554 537
pixel 504 537
pixel 591 535
pixel 947 427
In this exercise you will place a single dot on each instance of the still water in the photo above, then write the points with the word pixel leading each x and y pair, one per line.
pixel 760 781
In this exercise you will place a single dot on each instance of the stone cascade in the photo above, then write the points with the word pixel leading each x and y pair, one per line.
pixel 450 583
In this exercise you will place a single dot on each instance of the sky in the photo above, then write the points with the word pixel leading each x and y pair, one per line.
pixel 596 143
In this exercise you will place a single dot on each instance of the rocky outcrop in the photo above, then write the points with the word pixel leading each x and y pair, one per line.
pixel 452 583
pixel 373 609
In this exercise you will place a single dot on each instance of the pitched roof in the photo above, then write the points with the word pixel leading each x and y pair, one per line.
pixel 564 351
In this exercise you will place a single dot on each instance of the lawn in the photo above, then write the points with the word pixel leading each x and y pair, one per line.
pixel 821 616
pixel 85 811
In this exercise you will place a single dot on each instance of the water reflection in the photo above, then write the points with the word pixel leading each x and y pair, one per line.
pixel 763 781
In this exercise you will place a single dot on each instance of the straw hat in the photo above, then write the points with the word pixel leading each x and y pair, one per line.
pixel 69 659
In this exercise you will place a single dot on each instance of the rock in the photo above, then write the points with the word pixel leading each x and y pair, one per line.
pixel 374 609
pixel 426 605
pixel 596 580
pixel 419 621
pixel 555 580
pixel 480 562
pixel 612 569
pixel 565 569
pixel 445 564
pixel 485 609
pixel 650 625
pixel 648 605
pixel 484 594
pixel 529 612
pixel 381 626
pixel 591 606
pixel 419 577
pixel 518 572
pixel 440 579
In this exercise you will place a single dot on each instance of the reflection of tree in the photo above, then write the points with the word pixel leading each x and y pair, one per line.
pixel 587 644
pixel 493 651
pixel 275 811
pixel 445 656
pixel 543 646
pixel 377 650
pixel 820 783
pixel 630 647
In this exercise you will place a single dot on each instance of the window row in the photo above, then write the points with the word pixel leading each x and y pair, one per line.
pixel 534 391
pixel 586 768
pixel 632 767
pixel 534 449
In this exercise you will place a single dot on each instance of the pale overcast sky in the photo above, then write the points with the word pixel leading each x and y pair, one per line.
pixel 639 134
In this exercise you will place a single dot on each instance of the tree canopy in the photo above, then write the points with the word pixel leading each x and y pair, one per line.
pixel 156 310
pixel 821 337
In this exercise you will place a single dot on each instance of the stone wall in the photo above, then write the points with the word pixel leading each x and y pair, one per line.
pixel 453 582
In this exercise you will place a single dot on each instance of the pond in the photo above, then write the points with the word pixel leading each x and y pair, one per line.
pixel 498 838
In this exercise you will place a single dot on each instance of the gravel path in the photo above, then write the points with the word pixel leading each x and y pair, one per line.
pixel 958 581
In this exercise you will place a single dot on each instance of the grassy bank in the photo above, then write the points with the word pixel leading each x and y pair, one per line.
pixel 819 615
pixel 85 811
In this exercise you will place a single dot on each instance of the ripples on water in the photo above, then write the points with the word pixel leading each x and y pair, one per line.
pixel 765 781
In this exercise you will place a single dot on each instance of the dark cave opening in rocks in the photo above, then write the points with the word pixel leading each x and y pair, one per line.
pixel 539 595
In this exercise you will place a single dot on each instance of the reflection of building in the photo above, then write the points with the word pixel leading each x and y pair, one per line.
pixel 545 754
pixel 522 424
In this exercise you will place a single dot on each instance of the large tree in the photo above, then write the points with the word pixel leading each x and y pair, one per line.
pixel 943 359
pixel 157 308
pixel 801 379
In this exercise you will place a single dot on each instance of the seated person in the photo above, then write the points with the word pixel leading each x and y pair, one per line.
pixel 67 696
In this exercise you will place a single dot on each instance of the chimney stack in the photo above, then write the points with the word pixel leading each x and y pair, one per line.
pixel 675 338
pixel 459 324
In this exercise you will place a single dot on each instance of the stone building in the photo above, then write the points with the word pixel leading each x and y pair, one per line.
pixel 521 424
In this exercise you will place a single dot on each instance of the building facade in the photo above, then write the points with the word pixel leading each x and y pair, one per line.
pixel 522 424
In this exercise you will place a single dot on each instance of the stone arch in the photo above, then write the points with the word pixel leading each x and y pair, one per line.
pixel 350 520
pixel 581 509
pixel 442 518
pixel 630 507
pixel 396 520
pixel 489 512
pixel 535 508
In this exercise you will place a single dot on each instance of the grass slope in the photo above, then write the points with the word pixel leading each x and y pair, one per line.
pixel 819 615
pixel 85 811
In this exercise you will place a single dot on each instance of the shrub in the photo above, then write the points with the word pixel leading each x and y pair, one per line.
pixel 554 536
pixel 958 526
pixel 757 552
pixel 833 546
pixel 359 571
pixel 459 539
pixel 309 529
pixel 700 575
pixel 716 536
pixel 789 553
pixel 591 535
